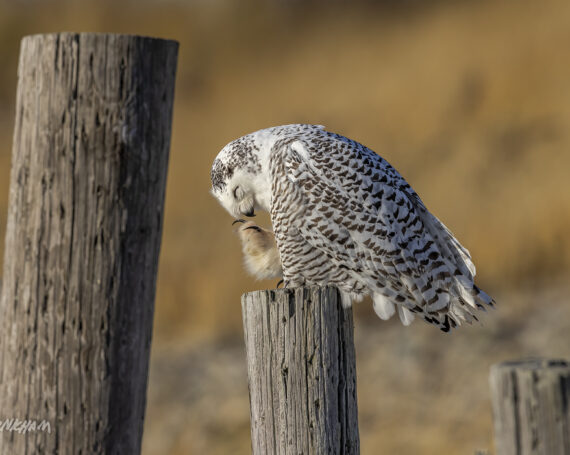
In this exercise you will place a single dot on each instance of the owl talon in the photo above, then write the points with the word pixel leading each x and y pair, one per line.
pixel 279 283
pixel 261 257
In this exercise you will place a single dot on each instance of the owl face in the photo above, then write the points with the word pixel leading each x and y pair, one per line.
pixel 236 194
pixel 240 176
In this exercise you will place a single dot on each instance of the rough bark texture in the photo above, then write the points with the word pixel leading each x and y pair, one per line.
pixel 302 372
pixel 530 407
pixel 84 225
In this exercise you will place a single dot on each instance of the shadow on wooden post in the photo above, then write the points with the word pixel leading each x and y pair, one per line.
pixel 88 177
pixel 302 372
pixel 531 408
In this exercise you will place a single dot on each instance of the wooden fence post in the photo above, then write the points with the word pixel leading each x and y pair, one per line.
pixel 301 371
pixel 88 176
pixel 531 407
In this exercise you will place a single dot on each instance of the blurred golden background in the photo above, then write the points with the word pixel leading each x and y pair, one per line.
pixel 470 101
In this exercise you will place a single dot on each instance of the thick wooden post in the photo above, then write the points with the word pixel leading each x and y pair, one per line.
pixel 531 407
pixel 301 371
pixel 88 178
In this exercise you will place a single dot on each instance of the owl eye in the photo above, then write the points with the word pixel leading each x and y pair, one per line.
pixel 236 192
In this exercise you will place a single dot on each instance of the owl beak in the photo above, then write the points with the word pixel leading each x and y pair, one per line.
pixel 238 221
pixel 250 214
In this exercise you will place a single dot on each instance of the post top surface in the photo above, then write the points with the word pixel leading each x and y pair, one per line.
pixel 533 363
pixel 101 35
pixel 291 291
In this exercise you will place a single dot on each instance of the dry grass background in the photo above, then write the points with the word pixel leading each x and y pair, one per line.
pixel 469 100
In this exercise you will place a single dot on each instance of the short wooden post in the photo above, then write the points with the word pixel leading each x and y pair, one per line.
pixel 84 225
pixel 301 371
pixel 531 407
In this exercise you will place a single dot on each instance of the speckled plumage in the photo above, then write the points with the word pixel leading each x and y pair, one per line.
pixel 342 215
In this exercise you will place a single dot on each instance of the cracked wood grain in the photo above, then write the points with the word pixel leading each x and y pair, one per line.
pixel 89 163
pixel 530 407
pixel 302 372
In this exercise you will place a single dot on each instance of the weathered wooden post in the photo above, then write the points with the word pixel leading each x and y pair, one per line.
pixel 301 371
pixel 88 176
pixel 531 407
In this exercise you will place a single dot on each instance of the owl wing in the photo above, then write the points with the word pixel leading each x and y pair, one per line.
pixel 357 209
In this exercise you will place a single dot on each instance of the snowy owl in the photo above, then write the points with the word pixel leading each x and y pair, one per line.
pixel 343 216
